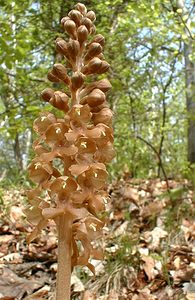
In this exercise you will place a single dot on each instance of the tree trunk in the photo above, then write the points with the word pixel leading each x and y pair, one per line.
pixel 190 101
pixel 17 152
pixel 190 82
pixel 28 142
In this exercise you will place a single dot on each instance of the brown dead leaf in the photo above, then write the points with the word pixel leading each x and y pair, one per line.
pixel 77 284
pixel 116 215
pixel 190 296
pixel 16 214
pixel 153 208
pixel 12 257
pixel 38 295
pixel 6 238
pixel 144 295
pixel 131 194
pixel 182 275
pixel 166 293
pixel 177 262
pixel 113 295
pixel 153 237
pixel 7 298
pixel 88 296
pixel 13 286
pixel 189 290
pixel 188 228
pixel 149 267
pixel 121 229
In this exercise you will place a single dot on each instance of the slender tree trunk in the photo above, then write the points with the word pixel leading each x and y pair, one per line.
pixel 28 142
pixel 190 81
pixel 17 152
pixel 190 101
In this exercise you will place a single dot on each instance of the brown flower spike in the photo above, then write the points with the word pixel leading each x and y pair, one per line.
pixel 72 191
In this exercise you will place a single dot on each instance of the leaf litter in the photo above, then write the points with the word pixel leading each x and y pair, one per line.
pixel 148 243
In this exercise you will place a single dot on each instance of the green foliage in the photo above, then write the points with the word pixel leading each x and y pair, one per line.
pixel 124 254
pixel 145 47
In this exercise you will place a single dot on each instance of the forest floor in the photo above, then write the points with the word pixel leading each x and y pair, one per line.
pixel 149 245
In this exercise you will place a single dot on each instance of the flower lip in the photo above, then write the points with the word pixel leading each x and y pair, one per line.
pixel 86 145
pixel 41 124
pixel 80 113
pixel 40 171
pixel 55 133
pixel 63 185
pixel 94 177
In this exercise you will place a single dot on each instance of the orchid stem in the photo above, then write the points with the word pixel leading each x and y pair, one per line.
pixel 64 258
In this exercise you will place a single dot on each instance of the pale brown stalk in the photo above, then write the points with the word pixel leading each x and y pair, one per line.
pixel 64 258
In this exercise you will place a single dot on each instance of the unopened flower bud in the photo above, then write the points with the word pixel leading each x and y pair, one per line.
pixel 98 39
pixel 73 48
pixel 70 27
pixel 60 71
pixel 82 33
pixel 47 94
pixel 91 15
pixel 76 16
pixel 96 109
pixel 103 116
pixel 60 101
pixel 61 47
pixel 95 98
pixel 92 66
pixel 104 67
pixel 94 50
pixel 52 77
pixel 88 23
pixel 81 7
pixel 77 80
pixel 104 85
pixel 93 29
pixel 64 19
pixel 101 56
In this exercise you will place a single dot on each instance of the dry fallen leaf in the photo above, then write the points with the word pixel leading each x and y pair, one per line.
pixel 77 284
pixel 6 238
pixel 153 208
pixel 189 290
pixel 144 294
pixel 177 262
pixel 16 214
pixel 131 194
pixel 88 296
pixel 113 295
pixel 7 298
pixel 13 257
pixel 13 286
pixel 149 267
pixel 190 296
pixel 153 237
pixel 38 295
pixel 188 228
pixel 121 229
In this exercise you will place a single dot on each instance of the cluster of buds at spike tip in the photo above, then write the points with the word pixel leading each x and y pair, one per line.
pixel 82 140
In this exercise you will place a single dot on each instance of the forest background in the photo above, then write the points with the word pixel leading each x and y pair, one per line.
pixel 150 233
pixel 149 45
